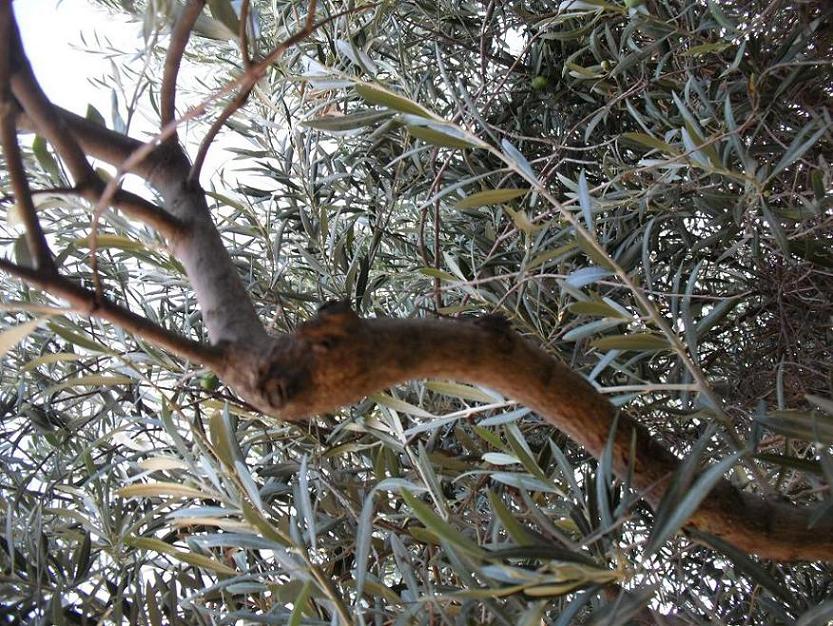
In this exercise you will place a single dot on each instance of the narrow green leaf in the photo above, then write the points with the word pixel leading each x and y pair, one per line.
pixel 300 605
pixel 809 426
pixel 223 11
pixel 220 439
pixel 527 482
pixel 686 507
pixel 374 94
pixel 343 123
pixel 45 158
pixel 584 200
pixel 77 339
pixel 442 529
pixel 596 308
pixel 797 149
pixel 706 48
pixel 490 196
pixel 640 342
pixel 159 489
pixel 650 142
pixel 457 390
pixel 10 337
pixel 514 157
pixel 586 276
pixel 438 136
pixel 515 529
pixel 197 560
pixel 499 458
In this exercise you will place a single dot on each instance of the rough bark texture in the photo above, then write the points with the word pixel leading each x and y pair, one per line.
pixel 338 358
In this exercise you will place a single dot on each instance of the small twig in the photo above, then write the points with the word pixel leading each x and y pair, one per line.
pixel 249 80
pixel 86 302
pixel 179 40
pixel 244 35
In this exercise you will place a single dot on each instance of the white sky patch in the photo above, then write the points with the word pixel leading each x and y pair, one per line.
pixel 52 37
pixel 58 36
pixel 515 40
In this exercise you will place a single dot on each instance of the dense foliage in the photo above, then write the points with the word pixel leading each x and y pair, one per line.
pixel 692 140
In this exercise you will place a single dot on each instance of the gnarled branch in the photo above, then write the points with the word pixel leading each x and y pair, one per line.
pixel 338 358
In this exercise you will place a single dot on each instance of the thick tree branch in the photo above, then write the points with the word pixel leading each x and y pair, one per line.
pixel 85 302
pixel 99 141
pixel 179 40
pixel 339 358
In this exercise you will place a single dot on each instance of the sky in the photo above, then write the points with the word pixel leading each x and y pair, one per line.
pixel 52 37
pixel 58 37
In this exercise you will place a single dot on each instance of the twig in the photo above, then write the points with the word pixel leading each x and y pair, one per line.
pixel 244 35
pixel 179 40
pixel 249 80
pixel 86 302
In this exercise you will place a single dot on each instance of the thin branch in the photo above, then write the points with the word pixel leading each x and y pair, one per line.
pixel 39 109
pixel 86 302
pixel 179 40
pixel 53 127
pixel 244 34
pixel 249 80
pixel 255 72
pixel 96 140
pixel 128 203
pixel 35 237
pixel 136 207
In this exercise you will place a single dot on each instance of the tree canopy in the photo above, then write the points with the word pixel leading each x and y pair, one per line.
pixel 560 202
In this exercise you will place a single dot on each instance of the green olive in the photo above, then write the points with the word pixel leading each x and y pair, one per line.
pixel 210 382
pixel 540 82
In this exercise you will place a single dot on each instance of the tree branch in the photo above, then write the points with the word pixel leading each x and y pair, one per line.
pixel 99 141
pixel 179 40
pixel 136 207
pixel 35 237
pixel 87 303
pixel 338 358
pixel 244 34
pixel 39 109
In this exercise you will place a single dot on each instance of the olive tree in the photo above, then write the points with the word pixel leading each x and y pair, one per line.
pixel 601 231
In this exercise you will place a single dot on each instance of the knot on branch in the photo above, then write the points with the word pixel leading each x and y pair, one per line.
pixel 335 322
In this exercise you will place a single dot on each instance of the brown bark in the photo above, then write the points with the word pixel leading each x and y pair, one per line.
pixel 338 358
